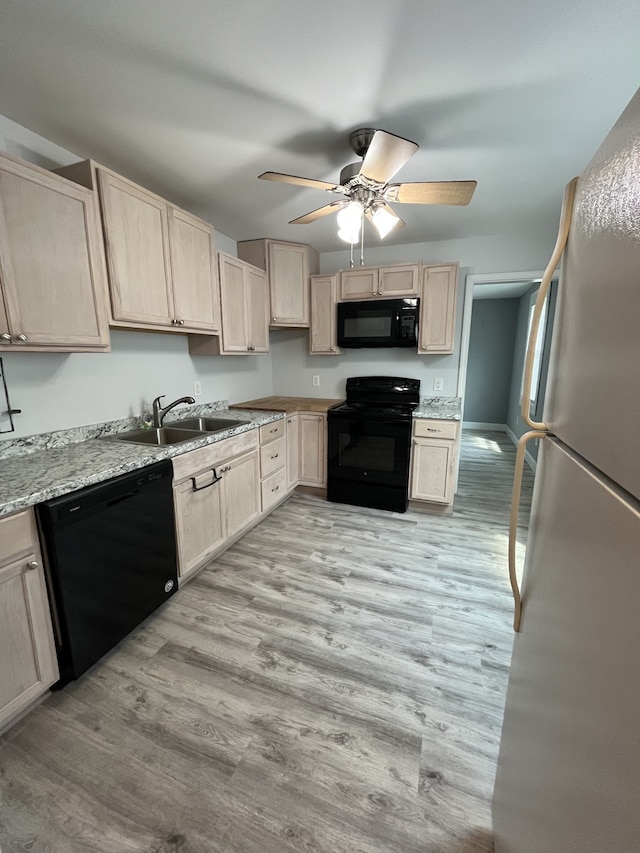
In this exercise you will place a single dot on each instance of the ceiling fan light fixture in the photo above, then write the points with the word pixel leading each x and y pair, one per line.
pixel 350 234
pixel 384 221
pixel 350 216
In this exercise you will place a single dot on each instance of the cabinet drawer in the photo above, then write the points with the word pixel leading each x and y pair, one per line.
pixel 17 535
pixel 273 457
pixel 427 428
pixel 212 455
pixel 272 431
pixel 273 488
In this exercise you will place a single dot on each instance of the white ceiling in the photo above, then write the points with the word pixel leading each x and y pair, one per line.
pixel 195 98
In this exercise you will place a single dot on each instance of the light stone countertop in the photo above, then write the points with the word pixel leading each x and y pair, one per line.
pixel 58 467
pixel 439 408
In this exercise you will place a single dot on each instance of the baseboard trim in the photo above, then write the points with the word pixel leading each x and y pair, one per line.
pixel 478 425
pixel 528 458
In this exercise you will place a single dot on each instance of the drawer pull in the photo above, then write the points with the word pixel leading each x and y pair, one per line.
pixel 274 457
pixel 215 480
pixel 274 430
pixel 433 429
pixel 276 489
pixel 32 565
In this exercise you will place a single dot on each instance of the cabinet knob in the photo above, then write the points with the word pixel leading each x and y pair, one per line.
pixel 22 337
pixel 181 322
pixel 274 319
pixel 174 322
pixel 251 349
pixel 333 349
pixel 5 336
pixel 32 565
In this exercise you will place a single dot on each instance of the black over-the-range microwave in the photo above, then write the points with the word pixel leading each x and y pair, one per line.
pixel 378 323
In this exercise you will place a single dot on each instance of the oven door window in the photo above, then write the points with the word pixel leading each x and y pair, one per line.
pixel 373 452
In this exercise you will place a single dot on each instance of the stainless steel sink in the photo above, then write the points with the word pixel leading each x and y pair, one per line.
pixel 207 424
pixel 159 437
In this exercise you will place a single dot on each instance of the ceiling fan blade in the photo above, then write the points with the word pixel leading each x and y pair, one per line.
pixel 384 219
pixel 301 182
pixel 318 213
pixel 434 192
pixel 385 156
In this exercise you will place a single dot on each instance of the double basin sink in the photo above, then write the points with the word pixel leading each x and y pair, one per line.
pixel 178 431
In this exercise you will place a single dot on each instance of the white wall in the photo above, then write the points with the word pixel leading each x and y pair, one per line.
pixel 57 391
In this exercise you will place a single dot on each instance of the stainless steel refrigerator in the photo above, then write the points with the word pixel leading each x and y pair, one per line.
pixel 568 777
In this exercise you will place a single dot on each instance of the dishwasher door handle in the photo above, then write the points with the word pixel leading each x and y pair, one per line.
pixel 121 498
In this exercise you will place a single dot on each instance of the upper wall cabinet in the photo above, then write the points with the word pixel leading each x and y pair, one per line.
pixel 160 259
pixel 245 327
pixel 385 282
pixel 288 267
pixel 438 290
pixel 323 331
pixel 52 277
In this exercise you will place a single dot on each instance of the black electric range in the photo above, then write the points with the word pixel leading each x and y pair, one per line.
pixel 369 442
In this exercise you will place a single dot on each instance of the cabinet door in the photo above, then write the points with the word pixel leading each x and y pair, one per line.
pixel 323 335
pixel 432 470
pixel 359 284
pixel 198 520
pixel 28 663
pixel 241 492
pixel 438 308
pixel 51 263
pixel 233 299
pixel 293 451
pixel 288 267
pixel 399 281
pixel 195 283
pixel 257 320
pixel 137 240
pixel 313 451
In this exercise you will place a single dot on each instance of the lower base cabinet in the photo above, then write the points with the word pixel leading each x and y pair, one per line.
pixel 293 451
pixel 216 495
pixel 433 461
pixel 28 665
pixel 312 444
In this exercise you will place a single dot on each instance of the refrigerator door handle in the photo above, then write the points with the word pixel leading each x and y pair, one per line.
pixel 513 521
pixel 561 242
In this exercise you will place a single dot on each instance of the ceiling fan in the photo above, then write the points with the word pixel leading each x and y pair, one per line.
pixel 366 188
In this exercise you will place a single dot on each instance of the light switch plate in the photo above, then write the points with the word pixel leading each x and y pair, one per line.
pixel 315 380
pixel 197 388
pixel 438 384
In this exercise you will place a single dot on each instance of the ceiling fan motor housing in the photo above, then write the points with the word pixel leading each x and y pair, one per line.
pixel 360 140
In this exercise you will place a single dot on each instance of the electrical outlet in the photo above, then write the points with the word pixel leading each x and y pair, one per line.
pixel 315 380
pixel 197 388
pixel 438 384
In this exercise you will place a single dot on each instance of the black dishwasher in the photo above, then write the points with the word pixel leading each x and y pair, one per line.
pixel 110 561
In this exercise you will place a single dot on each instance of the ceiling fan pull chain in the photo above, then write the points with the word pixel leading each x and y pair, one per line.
pixel 351 258
pixel 362 244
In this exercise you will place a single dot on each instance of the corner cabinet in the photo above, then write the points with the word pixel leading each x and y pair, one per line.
pixel 243 299
pixel 52 275
pixel 324 298
pixel 438 291
pixel 288 267
pixel 28 665
pixel 434 454
pixel 160 259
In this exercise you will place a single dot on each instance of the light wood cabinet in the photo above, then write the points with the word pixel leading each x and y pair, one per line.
pixel 438 291
pixel 288 267
pixel 216 495
pixel 196 292
pixel 433 460
pixel 28 665
pixel 324 298
pixel 273 463
pixel 293 451
pixel 243 299
pixel 313 449
pixel 380 282
pixel 160 259
pixel 52 275
pixel 241 492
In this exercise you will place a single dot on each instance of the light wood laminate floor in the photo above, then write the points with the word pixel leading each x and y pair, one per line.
pixel 334 683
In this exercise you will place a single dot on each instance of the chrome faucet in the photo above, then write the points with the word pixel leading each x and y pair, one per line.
pixel 159 412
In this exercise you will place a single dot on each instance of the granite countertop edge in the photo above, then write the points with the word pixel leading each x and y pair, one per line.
pixel 439 408
pixel 31 477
